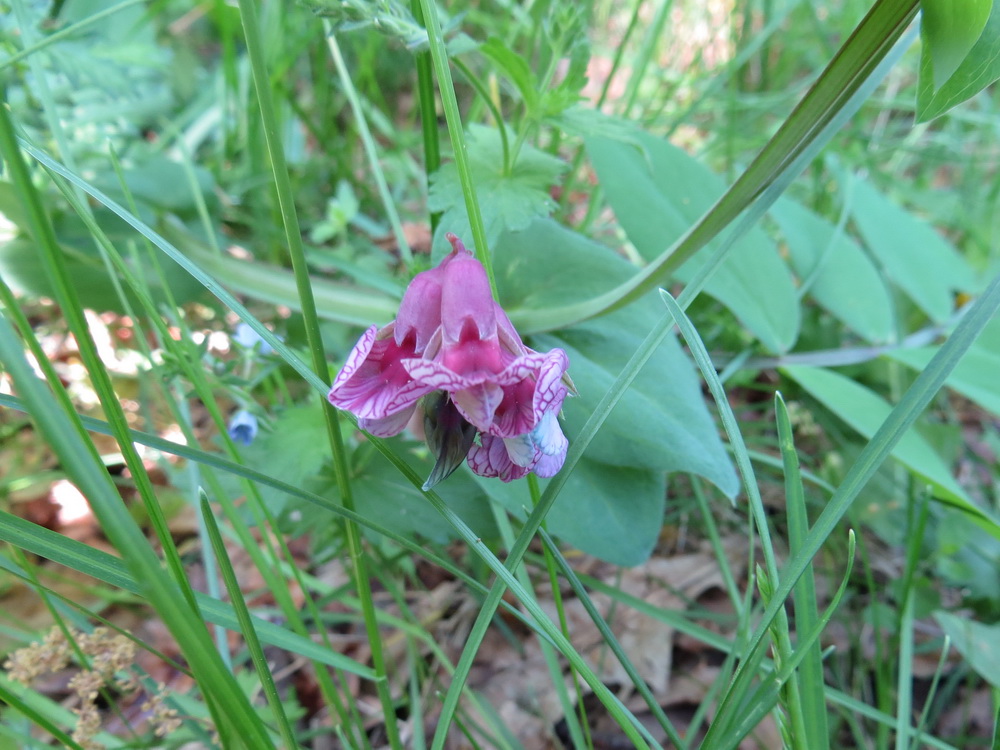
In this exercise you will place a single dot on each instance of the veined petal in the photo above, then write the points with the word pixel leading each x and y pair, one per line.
pixel 549 466
pixel 436 375
pixel 356 358
pixel 373 383
pixel 525 366
pixel 521 450
pixel 509 338
pixel 420 311
pixel 467 307
pixel 548 436
pixel 514 415
pixel 492 460
pixel 388 426
pixel 550 391
pixel 519 412
pixel 479 403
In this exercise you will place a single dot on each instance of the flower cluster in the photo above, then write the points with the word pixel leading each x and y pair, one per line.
pixel 453 350
pixel 109 658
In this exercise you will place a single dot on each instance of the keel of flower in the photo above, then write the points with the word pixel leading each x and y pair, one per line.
pixel 542 451
pixel 449 437
pixel 454 347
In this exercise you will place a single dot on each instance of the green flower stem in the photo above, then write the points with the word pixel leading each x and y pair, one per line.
pixel 283 187
pixel 43 233
pixel 195 375
pixel 876 451
pixel 492 107
pixel 439 56
pixel 368 142
pixel 811 673
pixel 19 698
pixel 532 122
pixel 636 733
pixel 428 111
pixel 548 652
pixel 780 629
pixel 178 408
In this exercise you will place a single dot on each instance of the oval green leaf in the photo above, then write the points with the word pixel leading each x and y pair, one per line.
pixel 660 192
pixel 949 30
pixel 843 279
pixel 977 68
pixel 912 253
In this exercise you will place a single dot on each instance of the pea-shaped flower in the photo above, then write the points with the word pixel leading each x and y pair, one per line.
pixel 451 337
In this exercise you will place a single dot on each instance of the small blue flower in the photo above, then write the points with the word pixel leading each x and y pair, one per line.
pixel 248 338
pixel 243 427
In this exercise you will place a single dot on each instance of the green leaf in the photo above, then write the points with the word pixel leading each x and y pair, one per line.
pixel 611 512
pixel 659 198
pixel 961 53
pixel 160 183
pixel 843 279
pixel 661 422
pixel 913 255
pixel 23 268
pixel 270 283
pixel 865 411
pixel 388 498
pixel 548 265
pixel 976 642
pixel 508 201
pixel 296 450
pixel 586 121
pixel 948 31
pixel 516 69
pixel 975 376
pixel 968 557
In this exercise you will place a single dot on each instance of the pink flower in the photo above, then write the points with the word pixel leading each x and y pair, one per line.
pixel 452 337
pixel 542 449
pixel 374 384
